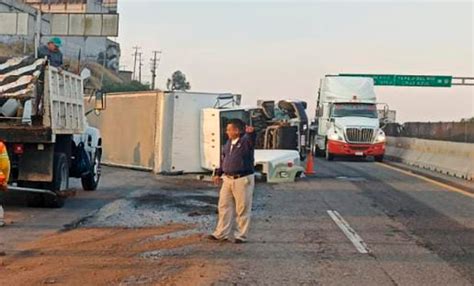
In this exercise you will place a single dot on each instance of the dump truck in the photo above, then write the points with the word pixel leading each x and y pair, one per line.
pixel 347 122
pixel 43 124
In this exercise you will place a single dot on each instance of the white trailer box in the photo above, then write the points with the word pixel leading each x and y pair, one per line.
pixel 347 89
pixel 157 131
pixel 179 140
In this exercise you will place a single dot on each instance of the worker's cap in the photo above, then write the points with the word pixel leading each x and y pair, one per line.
pixel 56 41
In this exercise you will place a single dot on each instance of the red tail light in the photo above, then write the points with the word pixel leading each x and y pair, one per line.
pixel 290 164
pixel 18 149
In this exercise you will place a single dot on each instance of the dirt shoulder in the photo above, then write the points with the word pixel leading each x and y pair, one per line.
pixel 105 256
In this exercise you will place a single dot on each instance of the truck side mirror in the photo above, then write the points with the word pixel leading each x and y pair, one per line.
pixel 100 101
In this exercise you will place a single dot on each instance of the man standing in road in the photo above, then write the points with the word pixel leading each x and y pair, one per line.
pixel 236 173
pixel 52 52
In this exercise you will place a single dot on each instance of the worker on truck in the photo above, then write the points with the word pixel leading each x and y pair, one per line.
pixel 52 52
pixel 4 175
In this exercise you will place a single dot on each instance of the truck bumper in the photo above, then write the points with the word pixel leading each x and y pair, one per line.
pixel 347 149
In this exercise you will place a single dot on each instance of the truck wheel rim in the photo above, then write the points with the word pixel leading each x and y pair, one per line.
pixel 96 169
pixel 64 179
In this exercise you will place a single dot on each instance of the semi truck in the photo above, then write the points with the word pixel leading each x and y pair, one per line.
pixel 43 124
pixel 346 121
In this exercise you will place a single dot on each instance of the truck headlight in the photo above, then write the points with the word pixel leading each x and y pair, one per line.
pixel 380 137
pixel 336 135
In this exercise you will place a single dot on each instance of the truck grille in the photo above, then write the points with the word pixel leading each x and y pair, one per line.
pixel 359 135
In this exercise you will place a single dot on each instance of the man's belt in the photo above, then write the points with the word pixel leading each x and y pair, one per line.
pixel 239 175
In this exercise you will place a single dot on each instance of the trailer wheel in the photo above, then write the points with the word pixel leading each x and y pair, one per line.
pixel 90 181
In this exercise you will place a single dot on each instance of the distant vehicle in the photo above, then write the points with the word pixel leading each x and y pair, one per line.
pixel 44 127
pixel 347 122
pixel 387 116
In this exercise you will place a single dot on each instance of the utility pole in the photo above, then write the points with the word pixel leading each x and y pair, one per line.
pixel 154 65
pixel 135 55
pixel 140 64
pixel 38 31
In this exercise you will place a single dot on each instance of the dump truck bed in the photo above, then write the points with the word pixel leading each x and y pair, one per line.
pixel 26 134
pixel 38 101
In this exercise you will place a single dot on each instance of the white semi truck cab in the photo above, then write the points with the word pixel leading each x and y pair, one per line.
pixel 347 119
pixel 44 126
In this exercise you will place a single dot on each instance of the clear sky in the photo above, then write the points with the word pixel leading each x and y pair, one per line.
pixel 276 50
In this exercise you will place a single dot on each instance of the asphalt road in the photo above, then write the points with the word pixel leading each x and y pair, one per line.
pixel 415 232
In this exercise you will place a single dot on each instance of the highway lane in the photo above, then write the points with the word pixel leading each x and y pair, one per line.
pixel 306 233
pixel 435 218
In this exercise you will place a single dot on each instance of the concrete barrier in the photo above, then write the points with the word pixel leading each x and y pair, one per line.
pixel 450 158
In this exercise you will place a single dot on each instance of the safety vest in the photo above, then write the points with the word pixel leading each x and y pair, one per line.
pixel 4 165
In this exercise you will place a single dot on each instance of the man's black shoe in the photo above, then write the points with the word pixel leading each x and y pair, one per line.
pixel 214 238
pixel 238 241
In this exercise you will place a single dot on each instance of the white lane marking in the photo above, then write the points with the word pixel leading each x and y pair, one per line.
pixel 350 233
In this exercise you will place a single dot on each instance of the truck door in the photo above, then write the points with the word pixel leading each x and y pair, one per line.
pixel 323 122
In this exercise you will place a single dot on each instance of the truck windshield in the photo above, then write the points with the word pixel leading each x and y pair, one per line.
pixel 354 109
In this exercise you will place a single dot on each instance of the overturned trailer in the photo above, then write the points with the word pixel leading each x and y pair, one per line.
pixel 170 133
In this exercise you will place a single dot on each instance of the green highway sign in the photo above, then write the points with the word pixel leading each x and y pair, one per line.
pixel 408 80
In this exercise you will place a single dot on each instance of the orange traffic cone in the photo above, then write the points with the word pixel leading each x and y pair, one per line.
pixel 310 164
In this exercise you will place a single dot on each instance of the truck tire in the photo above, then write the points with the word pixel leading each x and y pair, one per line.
pixel 90 181
pixel 45 201
pixel 329 156
pixel 60 182
pixel 303 156
pixel 378 158
pixel 53 201
pixel 318 152
pixel 35 200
